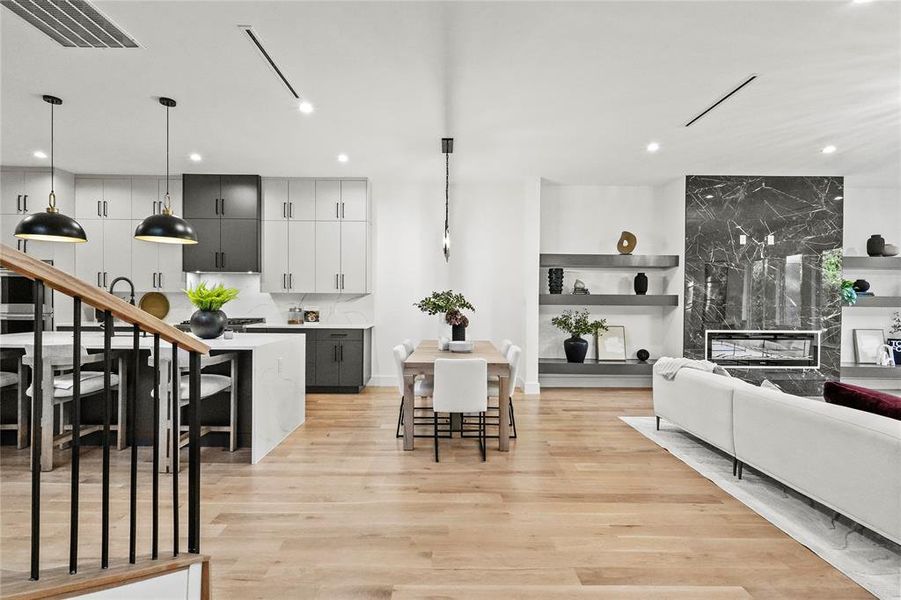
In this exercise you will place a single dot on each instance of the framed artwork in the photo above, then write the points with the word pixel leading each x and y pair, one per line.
pixel 867 343
pixel 612 343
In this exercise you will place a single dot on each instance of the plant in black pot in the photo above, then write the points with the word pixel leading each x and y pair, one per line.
pixel 452 305
pixel 208 321
pixel 894 339
pixel 576 323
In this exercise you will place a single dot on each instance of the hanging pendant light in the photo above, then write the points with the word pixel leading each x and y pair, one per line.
pixel 52 225
pixel 166 228
pixel 447 147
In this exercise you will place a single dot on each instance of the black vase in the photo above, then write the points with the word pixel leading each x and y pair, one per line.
pixel 641 284
pixel 208 324
pixel 861 285
pixel 458 333
pixel 643 355
pixel 875 245
pixel 576 348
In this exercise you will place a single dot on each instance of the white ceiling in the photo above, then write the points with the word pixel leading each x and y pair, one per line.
pixel 571 92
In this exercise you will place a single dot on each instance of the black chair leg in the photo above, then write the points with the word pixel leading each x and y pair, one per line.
pixel 400 419
pixel 483 426
pixel 512 418
pixel 734 466
pixel 658 423
pixel 740 467
pixel 435 421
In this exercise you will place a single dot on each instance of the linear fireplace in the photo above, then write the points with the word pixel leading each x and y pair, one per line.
pixel 763 349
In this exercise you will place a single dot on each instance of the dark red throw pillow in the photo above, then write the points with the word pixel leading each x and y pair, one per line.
pixel 861 398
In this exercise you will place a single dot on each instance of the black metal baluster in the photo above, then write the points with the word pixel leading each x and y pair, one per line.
pixel 132 405
pixel 194 455
pixel 155 529
pixel 175 433
pixel 37 373
pixel 76 435
pixel 107 409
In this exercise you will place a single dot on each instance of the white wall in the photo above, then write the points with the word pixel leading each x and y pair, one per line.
pixel 868 211
pixel 590 219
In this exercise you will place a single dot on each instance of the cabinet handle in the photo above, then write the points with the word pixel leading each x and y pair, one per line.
pixel 154 281
pixel 290 210
pixel 160 279
pixel 342 281
pixel 336 210
pixel 25 203
pixel 290 281
pixel 284 210
pixel 25 246
pixel 341 353
pixel 222 205
pixel 99 209
pixel 98 278
pixel 104 279
pixel 105 205
pixel 19 203
pixel 223 256
pixel 216 258
pixel 336 281
pixel 342 210
pixel 284 281
pixel 216 205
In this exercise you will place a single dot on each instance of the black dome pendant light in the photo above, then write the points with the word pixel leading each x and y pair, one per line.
pixel 166 228
pixel 51 226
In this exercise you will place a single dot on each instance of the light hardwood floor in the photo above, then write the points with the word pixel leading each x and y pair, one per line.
pixel 581 507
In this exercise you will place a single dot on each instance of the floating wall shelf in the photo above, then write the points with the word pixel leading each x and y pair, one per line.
pixel 855 371
pixel 608 300
pixel 877 302
pixel 559 366
pixel 872 263
pixel 610 261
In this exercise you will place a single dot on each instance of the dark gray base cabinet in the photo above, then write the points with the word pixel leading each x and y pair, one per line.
pixel 338 360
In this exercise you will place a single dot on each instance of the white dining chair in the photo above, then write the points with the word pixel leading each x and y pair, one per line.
pixel 422 388
pixel 468 427
pixel 505 346
pixel 211 384
pixel 461 386
pixel 57 383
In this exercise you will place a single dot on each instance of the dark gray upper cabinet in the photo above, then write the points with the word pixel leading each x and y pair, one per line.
pixel 225 212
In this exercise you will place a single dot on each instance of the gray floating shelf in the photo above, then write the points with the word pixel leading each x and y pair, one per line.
pixel 877 302
pixel 610 261
pixel 608 300
pixel 559 366
pixel 872 263
pixel 856 371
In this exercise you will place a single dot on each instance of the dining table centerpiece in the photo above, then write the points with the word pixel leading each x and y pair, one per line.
pixel 208 321
pixel 452 305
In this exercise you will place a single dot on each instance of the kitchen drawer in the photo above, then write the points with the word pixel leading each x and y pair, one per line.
pixel 346 335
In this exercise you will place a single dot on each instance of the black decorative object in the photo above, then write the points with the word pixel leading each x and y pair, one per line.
pixel 643 355
pixel 458 333
pixel 52 225
pixel 208 324
pixel 861 285
pixel 555 280
pixel 166 228
pixel 875 245
pixel 447 148
pixel 576 348
pixel 641 284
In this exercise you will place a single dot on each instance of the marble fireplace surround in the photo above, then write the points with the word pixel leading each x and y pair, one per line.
pixel 754 257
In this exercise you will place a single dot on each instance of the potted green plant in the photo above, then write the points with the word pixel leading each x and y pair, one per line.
pixel 208 321
pixel 576 323
pixel 894 339
pixel 452 305
pixel 598 326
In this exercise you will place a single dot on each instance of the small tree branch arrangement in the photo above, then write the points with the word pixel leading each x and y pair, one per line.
pixel 450 303
pixel 578 323
pixel 895 327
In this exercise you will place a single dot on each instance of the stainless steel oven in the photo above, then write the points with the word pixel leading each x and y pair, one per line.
pixel 17 303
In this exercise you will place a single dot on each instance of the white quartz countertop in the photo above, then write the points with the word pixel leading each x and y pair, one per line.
pixel 285 325
pixel 123 341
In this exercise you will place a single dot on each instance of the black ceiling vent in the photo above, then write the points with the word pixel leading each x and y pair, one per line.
pixel 71 23
pixel 722 99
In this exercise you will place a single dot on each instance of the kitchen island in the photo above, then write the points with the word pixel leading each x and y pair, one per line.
pixel 271 381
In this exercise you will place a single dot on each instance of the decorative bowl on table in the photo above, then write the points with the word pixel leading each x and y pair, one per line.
pixel 460 346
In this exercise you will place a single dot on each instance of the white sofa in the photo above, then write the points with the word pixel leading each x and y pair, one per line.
pixel 846 459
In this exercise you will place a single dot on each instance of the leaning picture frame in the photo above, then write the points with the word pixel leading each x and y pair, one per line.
pixel 611 344
pixel 866 345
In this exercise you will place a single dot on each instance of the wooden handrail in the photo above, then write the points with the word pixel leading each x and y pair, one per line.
pixel 61 281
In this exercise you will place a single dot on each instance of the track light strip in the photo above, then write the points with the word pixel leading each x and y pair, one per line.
pixel 723 99
pixel 271 62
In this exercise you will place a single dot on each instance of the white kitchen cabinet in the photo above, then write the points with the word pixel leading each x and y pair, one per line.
pixel 328 199
pixel 301 199
pixel 89 255
pixel 117 198
pixel 12 188
pixel 88 198
pixel 103 198
pixel 275 198
pixel 156 267
pixel 274 275
pixel 328 256
pixel 107 254
pixel 354 200
pixel 27 191
pixel 302 256
pixel 145 198
pixel 171 277
pixel 353 257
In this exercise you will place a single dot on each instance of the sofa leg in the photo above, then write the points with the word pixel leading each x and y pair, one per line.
pixel 658 423
pixel 734 466
pixel 740 466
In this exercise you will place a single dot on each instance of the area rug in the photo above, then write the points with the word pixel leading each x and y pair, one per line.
pixel 867 558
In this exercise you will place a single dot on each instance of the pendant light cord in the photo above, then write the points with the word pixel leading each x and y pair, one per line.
pixel 52 164
pixel 446 188
pixel 168 200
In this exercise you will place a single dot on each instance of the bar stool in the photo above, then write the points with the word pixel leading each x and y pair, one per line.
pixel 57 387
pixel 461 386
pixel 210 385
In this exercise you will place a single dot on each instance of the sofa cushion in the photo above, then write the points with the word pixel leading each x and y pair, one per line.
pixel 861 398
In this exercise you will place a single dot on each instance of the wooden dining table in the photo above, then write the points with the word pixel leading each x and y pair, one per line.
pixel 422 362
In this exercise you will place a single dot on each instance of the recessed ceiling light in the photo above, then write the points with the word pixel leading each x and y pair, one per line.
pixel 305 107
pixel 829 149
pixel 709 196
pixel 839 197
pixel 40 154
pixel 195 157
pixel 653 147
pixel 343 158
pixel 861 1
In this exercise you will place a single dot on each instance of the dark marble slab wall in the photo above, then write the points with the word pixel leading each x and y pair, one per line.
pixel 781 275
